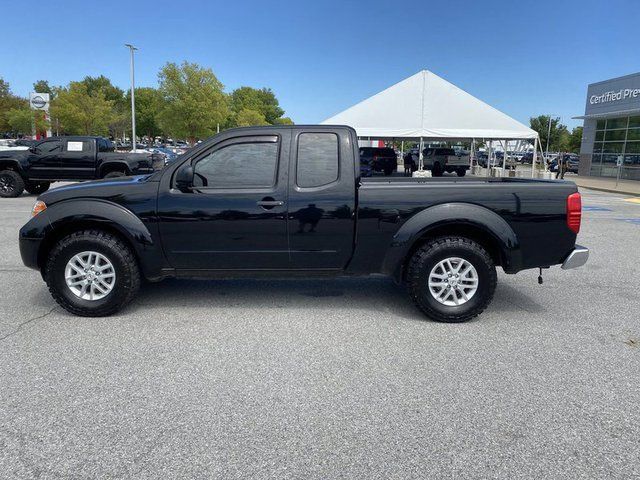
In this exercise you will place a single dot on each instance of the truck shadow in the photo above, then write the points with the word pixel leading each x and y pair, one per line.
pixel 378 295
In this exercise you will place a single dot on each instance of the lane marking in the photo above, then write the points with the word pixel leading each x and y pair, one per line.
pixel 635 221
pixel 593 208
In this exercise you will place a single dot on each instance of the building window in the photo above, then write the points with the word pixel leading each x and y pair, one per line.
pixel 615 137
pixel 613 123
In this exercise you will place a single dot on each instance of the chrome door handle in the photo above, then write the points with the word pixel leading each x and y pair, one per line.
pixel 268 203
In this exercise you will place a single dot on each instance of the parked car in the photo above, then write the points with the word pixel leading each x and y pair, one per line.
pixel 497 161
pixel 441 159
pixel 10 144
pixel 167 154
pixel 379 159
pixel 68 158
pixel 572 161
pixel 288 200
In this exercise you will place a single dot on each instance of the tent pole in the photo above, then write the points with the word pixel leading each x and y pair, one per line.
pixel 420 164
pixel 504 156
pixel 535 158
pixel 489 158
pixel 472 153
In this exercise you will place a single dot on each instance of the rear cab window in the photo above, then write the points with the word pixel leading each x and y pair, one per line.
pixel 317 159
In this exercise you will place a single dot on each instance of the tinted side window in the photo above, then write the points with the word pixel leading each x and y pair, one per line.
pixel 103 145
pixel 51 146
pixel 238 165
pixel 317 159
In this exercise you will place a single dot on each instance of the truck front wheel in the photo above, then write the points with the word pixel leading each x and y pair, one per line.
pixel 461 172
pixel 11 184
pixel 92 273
pixel 451 279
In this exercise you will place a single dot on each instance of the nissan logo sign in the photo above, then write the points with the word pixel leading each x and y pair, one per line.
pixel 38 101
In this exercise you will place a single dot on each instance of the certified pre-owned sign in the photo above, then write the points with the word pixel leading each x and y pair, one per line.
pixel 615 95
pixel 39 101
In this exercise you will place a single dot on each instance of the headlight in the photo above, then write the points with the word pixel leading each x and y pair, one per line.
pixel 39 207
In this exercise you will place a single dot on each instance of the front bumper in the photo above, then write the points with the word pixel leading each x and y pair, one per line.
pixel 577 258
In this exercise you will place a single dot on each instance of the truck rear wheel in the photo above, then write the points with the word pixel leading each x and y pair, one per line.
pixel 436 170
pixel 451 279
pixel 92 273
pixel 36 188
pixel 461 172
pixel 11 184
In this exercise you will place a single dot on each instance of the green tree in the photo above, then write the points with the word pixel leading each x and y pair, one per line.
pixel 575 140
pixel 261 100
pixel 194 101
pixel 8 102
pixel 20 120
pixel 80 112
pixel 42 86
pixel 103 84
pixel 283 121
pixel 120 121
pixel 149 102
pixel 249 118
pixel 558 140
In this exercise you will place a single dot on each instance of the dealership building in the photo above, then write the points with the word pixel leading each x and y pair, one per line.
pixel 611 135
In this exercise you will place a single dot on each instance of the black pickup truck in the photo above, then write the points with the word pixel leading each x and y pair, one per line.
pixel 68 158
pixel 289 201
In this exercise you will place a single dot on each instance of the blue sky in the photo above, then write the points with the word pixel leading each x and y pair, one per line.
pixel 524 58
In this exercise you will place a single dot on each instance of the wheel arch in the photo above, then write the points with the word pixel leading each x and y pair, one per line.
pixel 471 221
pixel 114 166
pixel 10 164
pixel 76 215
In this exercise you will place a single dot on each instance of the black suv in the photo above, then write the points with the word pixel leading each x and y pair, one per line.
pixel 379 159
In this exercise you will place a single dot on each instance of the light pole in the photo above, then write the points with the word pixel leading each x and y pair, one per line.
pixel 133 99
pixel 546 153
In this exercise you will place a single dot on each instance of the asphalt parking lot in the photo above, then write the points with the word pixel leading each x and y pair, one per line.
pixel 329 379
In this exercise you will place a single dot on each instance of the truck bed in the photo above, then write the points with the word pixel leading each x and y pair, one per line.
pixel 535 209
pixel 467 180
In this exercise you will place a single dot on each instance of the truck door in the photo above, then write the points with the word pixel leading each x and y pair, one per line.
pixel 235 217
pixel 77 160
pixel 44 159
pixel 322 199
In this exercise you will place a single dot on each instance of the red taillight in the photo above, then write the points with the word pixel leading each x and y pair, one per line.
pixel 574 212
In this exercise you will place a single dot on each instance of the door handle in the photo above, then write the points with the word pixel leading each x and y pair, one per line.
pixel 268 203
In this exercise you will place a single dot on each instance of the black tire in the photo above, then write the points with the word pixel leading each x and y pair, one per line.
pixel 388 171
pixel 428 256
pixel 119 254
pixel 436 170
pixel 461 172
pixel 11 184
pixel 36 188
pixel 115 174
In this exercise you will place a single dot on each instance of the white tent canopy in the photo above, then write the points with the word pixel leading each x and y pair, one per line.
pixel 425 105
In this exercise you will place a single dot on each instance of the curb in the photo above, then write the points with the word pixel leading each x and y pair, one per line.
pixel 609 190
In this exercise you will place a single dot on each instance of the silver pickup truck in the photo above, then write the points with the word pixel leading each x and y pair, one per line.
pixel 441 159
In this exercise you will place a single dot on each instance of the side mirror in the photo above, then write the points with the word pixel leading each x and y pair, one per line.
pixel 184 178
